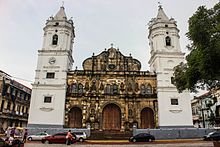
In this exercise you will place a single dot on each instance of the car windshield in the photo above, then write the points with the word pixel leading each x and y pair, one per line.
pixel 211 133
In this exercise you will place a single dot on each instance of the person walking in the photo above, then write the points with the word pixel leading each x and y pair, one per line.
pixel 25 136
pixel 69 138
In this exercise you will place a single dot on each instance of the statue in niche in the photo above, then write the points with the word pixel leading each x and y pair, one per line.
pixel 87 86
pixel 129 87
pixel 103 66
pixel 122 86
pixel 101 86
pixel 136 87
pixel 93 86
pixel 112 53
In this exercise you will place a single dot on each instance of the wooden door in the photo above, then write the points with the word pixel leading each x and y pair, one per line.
pixel 75 118
pixel 147 118
pixel 111 117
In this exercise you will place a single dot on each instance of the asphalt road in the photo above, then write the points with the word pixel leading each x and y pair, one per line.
pixel 110 143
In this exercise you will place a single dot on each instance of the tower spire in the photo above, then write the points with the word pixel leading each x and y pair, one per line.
pixel 61 15
pixel 161 15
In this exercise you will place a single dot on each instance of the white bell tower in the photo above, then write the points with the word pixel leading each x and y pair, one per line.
pixel 54 61
pixel 174 109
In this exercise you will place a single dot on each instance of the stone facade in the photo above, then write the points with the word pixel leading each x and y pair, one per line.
pixel 112 79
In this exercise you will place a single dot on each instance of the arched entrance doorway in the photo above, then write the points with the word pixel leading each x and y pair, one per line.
pixel 147 118
pixel 111 117
pixel 75 118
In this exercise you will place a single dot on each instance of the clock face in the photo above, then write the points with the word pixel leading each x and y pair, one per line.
pixel 52 60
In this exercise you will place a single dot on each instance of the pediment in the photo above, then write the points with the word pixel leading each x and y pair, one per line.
pixel 111 60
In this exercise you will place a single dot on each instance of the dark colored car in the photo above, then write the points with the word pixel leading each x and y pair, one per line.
pixel 142 137
pixel 57 138
pixel 212 136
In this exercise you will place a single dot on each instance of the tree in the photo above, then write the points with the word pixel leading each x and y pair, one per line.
pixel 202 69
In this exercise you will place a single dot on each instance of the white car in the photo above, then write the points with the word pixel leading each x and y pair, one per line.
pixel 37 136
pixel 80 136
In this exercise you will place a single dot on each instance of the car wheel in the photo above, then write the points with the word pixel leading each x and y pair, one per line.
pixel 134 140
pixel 47 142
pixel 30 139
pixel 81 139
pixel 149 140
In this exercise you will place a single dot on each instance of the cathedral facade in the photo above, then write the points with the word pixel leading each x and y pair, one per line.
pixel 110 92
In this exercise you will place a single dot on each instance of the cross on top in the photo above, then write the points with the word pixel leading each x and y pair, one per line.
pixel 112 45
pixel 159 4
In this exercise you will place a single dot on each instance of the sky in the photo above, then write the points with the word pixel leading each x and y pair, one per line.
pixel 98 23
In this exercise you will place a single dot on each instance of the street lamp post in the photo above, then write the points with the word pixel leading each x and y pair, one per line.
pixel 203 118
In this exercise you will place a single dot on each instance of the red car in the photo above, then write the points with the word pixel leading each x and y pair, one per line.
pixel 57 138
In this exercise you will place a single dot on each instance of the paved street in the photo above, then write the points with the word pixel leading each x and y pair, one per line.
pixel 110 143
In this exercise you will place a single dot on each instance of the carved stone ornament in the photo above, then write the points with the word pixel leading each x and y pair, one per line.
pixel 46 109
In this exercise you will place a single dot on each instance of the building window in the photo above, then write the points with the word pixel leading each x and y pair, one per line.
pixel 47 99
pixel 168 41
pixel 115 89
pixel 80 88
pixel 74 88
pixel 26 111
pixel 149 89
pixel 50 75
pixel 142 89
pixel 55 39
pixel 108 89
pixel 9 106
pixel 2 106
pixel 174 101
pixel 18 108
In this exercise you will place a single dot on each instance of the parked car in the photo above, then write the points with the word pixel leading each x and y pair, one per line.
pixel 212 136
pixel 37 136
pixel 142 137
pixel 80 136
pixel 57 138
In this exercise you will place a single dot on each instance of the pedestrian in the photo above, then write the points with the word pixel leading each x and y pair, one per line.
pixel 25 134
pixel 9 141
pixel 69 138
pixel 12 133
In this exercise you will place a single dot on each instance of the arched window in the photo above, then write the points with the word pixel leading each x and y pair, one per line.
pixel 74 88
pixel 142 89
pixel 108 89
pixel 115 89
pixel 149 89
pixel 168 41
pixel 55 39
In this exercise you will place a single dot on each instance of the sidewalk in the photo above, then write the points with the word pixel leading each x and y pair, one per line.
pixel 154 142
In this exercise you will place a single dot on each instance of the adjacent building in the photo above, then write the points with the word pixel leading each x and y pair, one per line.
pixel 206 109
pixel 14 102
pixel 110 92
